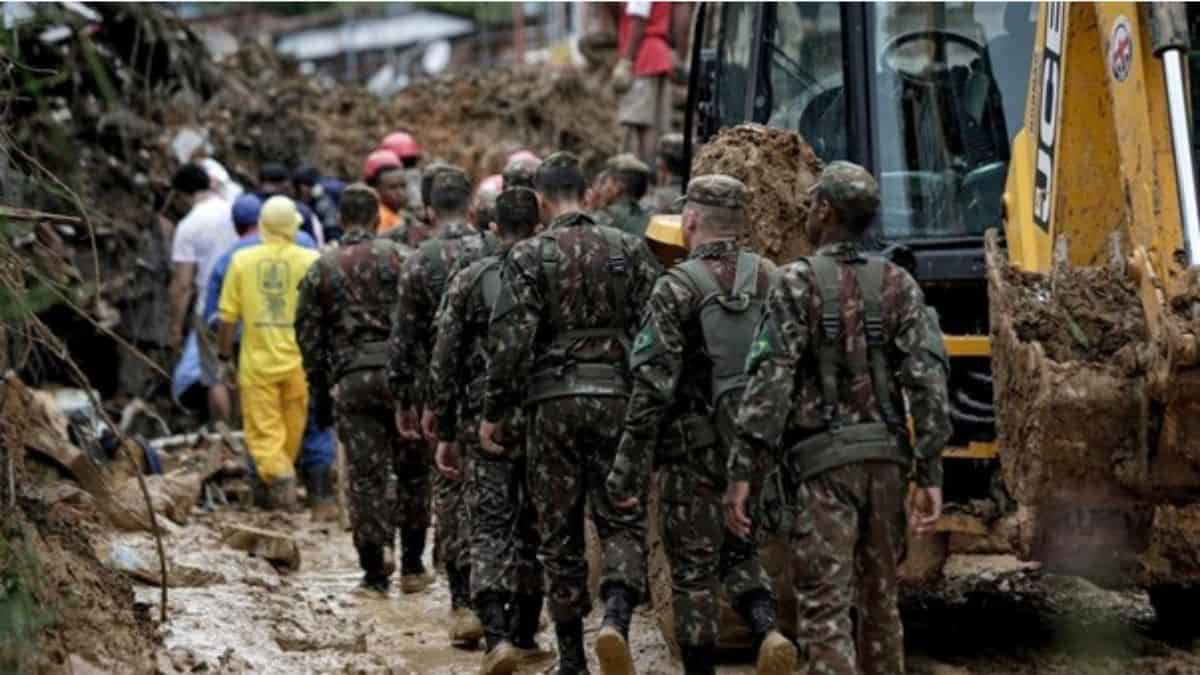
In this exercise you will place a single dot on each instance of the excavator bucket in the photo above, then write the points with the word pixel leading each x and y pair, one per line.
pixel 1093 437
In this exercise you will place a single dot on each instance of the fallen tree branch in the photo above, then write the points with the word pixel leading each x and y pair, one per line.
pixel 18 213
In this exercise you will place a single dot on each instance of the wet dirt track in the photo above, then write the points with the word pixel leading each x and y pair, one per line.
pixel 993 617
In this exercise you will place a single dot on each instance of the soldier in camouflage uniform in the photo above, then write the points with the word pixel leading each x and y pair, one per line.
pixel 626 179
pixel 520 173
pixel 506 577
pixel 568 306
pixel 422 282
pixel 671 169
pixel 342 331
pixel 845 342
pixel 687 364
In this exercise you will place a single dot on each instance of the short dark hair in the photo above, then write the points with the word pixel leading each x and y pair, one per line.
pixel 359 207
pixel 273 172
pixel 190 179
pixel 427 177
pixel 517 211
pixel 633 183
pixel 560 178
pixel 306 176
pixel 450 192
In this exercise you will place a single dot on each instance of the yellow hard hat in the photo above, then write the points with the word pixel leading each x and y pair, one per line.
pixel 664 235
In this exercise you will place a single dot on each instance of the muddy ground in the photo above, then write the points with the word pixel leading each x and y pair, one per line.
pixel 993 616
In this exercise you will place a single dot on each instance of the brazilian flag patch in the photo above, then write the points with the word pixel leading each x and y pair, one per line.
pixel 761 348
pixel 644 340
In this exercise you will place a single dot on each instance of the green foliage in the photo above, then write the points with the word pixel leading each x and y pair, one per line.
pixel 18 305
pixel 21 615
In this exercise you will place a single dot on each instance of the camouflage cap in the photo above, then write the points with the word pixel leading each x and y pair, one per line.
pixel 560 170
pixel 670 146
pixel 717 189
pixel 627 162
pixel 450 188
pixel 851 189
pixel 520 173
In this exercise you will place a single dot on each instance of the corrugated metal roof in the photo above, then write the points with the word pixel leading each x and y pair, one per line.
pixel 369 34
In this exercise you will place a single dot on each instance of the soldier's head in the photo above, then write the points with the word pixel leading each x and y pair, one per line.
pixel 483 206
pixel 427 176
pixel 359 208
pixel 449 197
pixel 630 176
pixel 560 182
pixel 716 209
pixel 520 172
pixel 517 214
pixel 843 202
pixel 670 156
pixel 602 192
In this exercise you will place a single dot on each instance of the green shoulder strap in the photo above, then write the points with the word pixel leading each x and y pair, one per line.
pixel 745 280
pixel 489 281
pixel 432 251
pixel 696 275
pixel 618 272
pixel 870 283
pixel 829 353
pixel 550 258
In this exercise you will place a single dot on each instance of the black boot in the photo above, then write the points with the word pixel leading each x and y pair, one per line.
pixel 490 609
pixel 699 659
pixel 612 642
pixel 776 654
pixel 757 608
pixel 370 559
pixel 412 550
pixel 527 619
pixel 571 658
pixel 459 580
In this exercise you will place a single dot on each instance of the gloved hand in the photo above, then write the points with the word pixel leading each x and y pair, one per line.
pixel 622 76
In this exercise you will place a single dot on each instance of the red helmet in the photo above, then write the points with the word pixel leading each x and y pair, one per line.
pixel 403 144
pixel 523 155
pixel 493 183
pixel 377 160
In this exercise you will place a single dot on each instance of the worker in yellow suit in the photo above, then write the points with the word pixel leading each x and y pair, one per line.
pixel 260 291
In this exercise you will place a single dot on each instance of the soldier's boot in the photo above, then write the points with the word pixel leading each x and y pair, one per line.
pixel 612 643
pixel 282 493
pixel 465 628
pixel 526 624
pixel 413 577
pixel 370 559
pixel 699 659
pixel 571 658
pixel 776 653
pixel 501 657
pixel 318 483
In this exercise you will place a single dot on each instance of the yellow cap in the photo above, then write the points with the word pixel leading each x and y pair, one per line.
pixel 279 219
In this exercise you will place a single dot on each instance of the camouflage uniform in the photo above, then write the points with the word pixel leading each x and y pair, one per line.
pixel 628 216
pixel 664 198
pixel 410 232
pixel 850 536
pixel 572 436
pixel 422 282
pixel 503 537
pixel 341 330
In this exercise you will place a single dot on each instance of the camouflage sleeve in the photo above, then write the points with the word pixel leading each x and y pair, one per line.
pixel 655 363
pixel 645 272
pixel 446 385
pixel 782 339
pixel 512 331
pixel 311 334
pixel 406 345
pixel 922 373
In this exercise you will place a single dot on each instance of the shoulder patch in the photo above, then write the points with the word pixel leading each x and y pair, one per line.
pixel 762 347
pixel 645 340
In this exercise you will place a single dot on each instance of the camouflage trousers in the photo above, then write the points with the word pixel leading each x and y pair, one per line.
pixel 503 537
pixel 374 453
pixel 849 540
pixel 572 443
pixel 453 536
pixel 703 555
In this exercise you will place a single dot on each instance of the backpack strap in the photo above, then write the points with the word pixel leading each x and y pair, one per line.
pixel 698 277
pixel 489 281
pixel 830 351
pixel 870 283
pixel 745 280
pixel 617 266
pixel 551 256
pixel 433 250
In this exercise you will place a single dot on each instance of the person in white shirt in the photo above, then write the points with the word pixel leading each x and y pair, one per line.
pixel 200 238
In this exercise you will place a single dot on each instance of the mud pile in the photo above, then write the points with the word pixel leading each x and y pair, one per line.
pixel 778 166
pixel 62 609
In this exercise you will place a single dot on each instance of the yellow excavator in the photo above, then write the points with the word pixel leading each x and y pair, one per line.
pixel 1037 176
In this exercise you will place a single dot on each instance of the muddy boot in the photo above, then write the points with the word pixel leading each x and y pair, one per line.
pixel 501 656
pixel 526 624
pixel 389 560
pixel 612 643
pixel 571 658
pixel 413 577
pixel 499 660
pixel 260 496
pixel 699 659
pixel 319 485
pixel 283 495
pixel 776 654
pixel 370 559
pixel 465 628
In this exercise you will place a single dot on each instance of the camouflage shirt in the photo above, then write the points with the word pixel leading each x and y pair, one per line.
pixel 416 307
pixel 783 405
pixel 459 363
pixel 628 216
pixel 676 379
pixel 410 231
pixel 345 299
pixel 521 336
